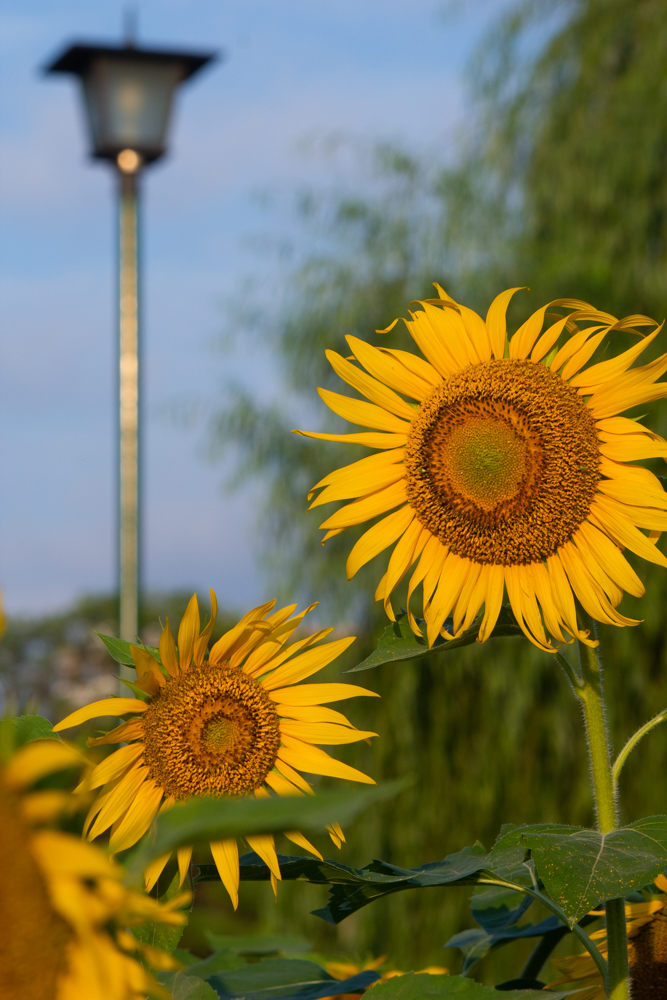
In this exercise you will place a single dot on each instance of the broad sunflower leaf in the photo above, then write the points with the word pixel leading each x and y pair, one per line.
pixel 260 944
pixel 398 641
pixel 287 978
pixel 119 649
pixel 476 942
pixel 415 985
pixel 163 936
pixel 581 868
pixel 205 819
pixel 25 729
pixel 185 987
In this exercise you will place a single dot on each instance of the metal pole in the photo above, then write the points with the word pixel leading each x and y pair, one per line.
pixel 128 450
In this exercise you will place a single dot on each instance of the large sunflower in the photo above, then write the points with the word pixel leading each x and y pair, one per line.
pixel 509 472
pixel 65 912
pixel 234 723
pixel 646 925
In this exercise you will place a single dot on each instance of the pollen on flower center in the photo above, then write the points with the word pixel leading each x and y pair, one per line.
pixel 502 462
pixel 211 731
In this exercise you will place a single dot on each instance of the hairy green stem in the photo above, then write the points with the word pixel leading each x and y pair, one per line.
pixel 590 694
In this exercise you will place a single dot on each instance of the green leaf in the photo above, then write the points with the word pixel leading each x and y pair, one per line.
pixel 476 943
pixel 206 819
pixel 220 961
pixel 495 908
pixel 398 641
pixel 582 868
pixel 163 936
pixel 119 649
pixel 415 985
pixel 24 729
pixel 260 944
pixel 292 978
pixel 185 987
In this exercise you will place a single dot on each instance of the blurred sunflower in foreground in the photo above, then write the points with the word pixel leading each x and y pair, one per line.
pixel 65 912
pixel 508 473
pixel 234 723
pixel 647 953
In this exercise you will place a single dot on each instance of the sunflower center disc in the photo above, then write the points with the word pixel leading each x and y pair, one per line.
pixel 502 462
pixel 647 952
pixel 211 731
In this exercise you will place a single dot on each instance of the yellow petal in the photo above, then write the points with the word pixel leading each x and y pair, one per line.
pixel 37 759
pixel 184 856
pixel 115 764
pixel 378 538
pixel 408 549
pixel 168 651
pixel 389 370
pixel 265 845
pixel 201 642
pixel 133 729
pixel 362 483
pixel 362 465
pixel 146 664
pixel 365 414
pixel 109 706
pixel 422 369
pixel 325 733
pixel 138 817
pixel 496 321
pixel 226 857
pixel 319 694
pixel 639 494
pixel 312 760
pixel 369 439
pixel 280 785
pixel 607 370
pixel 370 506
pixel 188 632
pixel 111 805
pixel 432 345
pixel 68 855
pixel 378 393
pixel 564 600
pixel 227 641
pixel 476 330
pixel 300 841
pixel 155 869
pixel 447 326
pixel 632 447
pixel 584 354
pixel 293 776
pixel 524 339
pixel 493 602
pixel 305 664
pixel 541 584
pixel 312 713
pixel 451 581
pixel 273 657
pixel 548 339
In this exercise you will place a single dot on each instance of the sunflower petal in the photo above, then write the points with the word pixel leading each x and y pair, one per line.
pixel 188 632
pixel 305 664
pixel 312 760
pixel 298 838
pixel 226 857
pixel 319 694
pixel 496 321
pixel 375 391
pixel 378 538
pixel 108 706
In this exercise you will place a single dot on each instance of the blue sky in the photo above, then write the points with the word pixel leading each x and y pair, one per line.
pixel 293 70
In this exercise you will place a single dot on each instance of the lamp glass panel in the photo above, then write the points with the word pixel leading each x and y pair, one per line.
pixel 129 102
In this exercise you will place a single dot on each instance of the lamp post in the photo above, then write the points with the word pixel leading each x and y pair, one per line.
pixel 128 95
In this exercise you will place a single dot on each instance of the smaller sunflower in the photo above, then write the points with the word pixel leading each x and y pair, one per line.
pixel 646 925
pixel 234 723
pixel 65 911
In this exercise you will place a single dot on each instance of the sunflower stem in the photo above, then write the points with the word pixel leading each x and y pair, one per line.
pixel 590 694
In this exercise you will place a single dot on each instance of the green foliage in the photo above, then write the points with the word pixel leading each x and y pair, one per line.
pixel 119 649
pixel 162 936
pixel 398 642
pixel 288 978
pixel 184 987
pixel 204 819
pixel 260 945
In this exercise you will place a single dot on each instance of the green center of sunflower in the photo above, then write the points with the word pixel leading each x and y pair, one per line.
pixel 211 731
pixel 30 931
pixel 486 461
pixel 502 462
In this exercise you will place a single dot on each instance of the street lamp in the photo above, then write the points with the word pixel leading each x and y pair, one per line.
pixel 128 94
